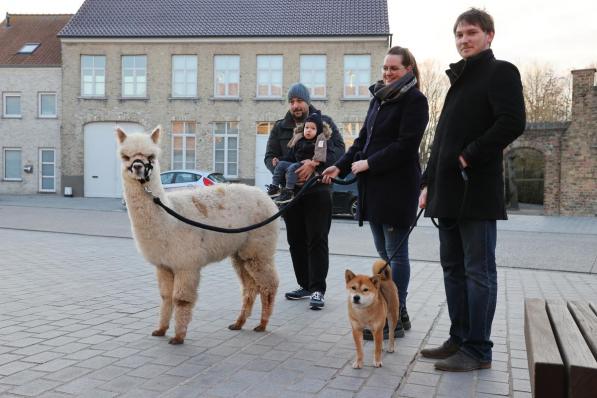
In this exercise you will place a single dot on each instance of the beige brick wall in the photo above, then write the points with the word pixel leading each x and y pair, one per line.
pixel 29 133
pixel 159 109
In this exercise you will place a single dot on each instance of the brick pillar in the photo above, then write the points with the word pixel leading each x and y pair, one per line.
pixel 583 81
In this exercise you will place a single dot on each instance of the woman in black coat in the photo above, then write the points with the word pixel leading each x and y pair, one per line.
pixel 385 157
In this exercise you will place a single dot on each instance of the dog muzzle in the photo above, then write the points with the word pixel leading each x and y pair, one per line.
pixel 147 169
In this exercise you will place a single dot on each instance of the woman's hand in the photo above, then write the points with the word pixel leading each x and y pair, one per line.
pixel 359 166
pixel 423 198
pixel 329 173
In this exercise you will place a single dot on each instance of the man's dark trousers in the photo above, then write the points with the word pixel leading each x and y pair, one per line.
pixel 467 254
pixel 307 226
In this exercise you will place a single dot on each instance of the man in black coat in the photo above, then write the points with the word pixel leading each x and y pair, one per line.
pixel 483 113
pixel 308 221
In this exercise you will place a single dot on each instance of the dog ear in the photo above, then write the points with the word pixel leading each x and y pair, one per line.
pixel 155 134
pixel 348 275
pixel 375 280
pixel 120 135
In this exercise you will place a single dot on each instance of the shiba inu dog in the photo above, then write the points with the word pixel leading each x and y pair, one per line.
pixel 372 300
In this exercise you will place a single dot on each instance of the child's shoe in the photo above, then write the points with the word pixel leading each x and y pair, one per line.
pixel 286 195
pixel 273 190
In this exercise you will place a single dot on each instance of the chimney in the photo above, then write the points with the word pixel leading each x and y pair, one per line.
pixel 7 19
pixel 583 81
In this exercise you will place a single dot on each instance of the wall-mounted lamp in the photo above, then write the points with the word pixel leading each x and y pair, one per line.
pixel 28 168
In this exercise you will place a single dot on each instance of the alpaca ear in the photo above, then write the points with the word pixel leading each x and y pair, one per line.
pixel 155 134
pixel 120 134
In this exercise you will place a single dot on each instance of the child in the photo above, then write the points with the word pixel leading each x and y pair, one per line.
pixel 308 142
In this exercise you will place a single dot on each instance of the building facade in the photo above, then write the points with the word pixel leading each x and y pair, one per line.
pixel 215 90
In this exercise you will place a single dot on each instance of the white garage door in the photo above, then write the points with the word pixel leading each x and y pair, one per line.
pixel 102 165
pixel 262 175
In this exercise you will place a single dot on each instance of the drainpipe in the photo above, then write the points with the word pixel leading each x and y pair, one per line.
pixel 7 20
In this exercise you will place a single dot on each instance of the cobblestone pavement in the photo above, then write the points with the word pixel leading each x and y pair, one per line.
pixel 76 314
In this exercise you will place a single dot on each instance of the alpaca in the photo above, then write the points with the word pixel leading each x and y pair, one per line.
pixel 179 251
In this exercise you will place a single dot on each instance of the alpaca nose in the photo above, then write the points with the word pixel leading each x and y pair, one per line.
pixel 356 298
pixel 137 166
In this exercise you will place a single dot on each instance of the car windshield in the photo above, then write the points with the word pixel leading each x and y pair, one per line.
pixel 217 177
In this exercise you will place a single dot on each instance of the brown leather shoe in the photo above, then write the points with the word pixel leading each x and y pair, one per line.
pixel 461 362
pixel 447 349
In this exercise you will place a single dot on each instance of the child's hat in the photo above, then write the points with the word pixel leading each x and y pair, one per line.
pixel 315 117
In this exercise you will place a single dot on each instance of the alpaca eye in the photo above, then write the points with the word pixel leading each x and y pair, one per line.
pixel 151 157
pixel 124 157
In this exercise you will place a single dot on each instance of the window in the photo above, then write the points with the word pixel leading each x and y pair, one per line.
pixel 12 104
pixel 350 131
pixel 227 75
pixel 313 74
pixel 269 76
pixel 28 48
pixel 184 76
pixel 134 76
pixel 182 178
pixel 47 167
pixel 47 105
pixel 264 127
pixel 226 148
pixel 93 75
pixel 12 164
pixel 357 76
pixel 183 145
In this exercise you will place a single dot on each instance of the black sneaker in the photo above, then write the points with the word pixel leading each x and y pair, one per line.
pixel 286 195
pixel 405 319
pixel 398 332
pixel 298 294
pixel 317 301
pixel 273 190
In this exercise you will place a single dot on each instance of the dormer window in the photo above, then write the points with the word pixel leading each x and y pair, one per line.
pixel 28 48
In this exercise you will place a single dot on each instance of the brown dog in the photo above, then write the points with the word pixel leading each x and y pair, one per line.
pixel 372 300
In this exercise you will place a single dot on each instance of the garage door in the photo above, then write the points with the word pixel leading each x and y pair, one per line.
pixel 102 165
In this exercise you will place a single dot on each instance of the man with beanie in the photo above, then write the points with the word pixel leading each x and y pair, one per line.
pixel 308 221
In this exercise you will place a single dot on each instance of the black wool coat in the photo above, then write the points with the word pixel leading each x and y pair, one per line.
pixel 482 114
pixel 389 190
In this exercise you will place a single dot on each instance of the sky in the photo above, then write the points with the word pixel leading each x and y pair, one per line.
pixel 560 34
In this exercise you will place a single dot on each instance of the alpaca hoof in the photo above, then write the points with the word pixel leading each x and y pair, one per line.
pixel 176 341
pixel 235 326
pixel 260 328
pixel 357 364
pixel 159 332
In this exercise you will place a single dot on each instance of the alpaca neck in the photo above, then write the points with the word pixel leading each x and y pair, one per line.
pixel 140 203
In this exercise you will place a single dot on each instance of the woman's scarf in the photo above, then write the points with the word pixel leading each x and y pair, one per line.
pixel 392 92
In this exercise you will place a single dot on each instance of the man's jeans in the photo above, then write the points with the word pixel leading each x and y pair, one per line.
pixel 467 255
pixel 386 239
pixel 285 173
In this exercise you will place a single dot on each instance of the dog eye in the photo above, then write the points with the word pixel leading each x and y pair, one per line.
pixel 354 288
pixel 365 290
pixel 124 157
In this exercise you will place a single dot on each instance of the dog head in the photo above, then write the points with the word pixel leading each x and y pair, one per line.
pixel 362 289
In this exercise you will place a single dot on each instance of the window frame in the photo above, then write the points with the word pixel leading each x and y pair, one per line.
pixel 94 75
pixel 227 73
pixel 40 174
pixel 135 82
pixel 187 133
pixel 359 83
pixel 269 70
pixel 20 168
pixel 186 83
pixel 39 105
pixel 312 71
pixel 23 51
pixel 4 107
pixel 226 136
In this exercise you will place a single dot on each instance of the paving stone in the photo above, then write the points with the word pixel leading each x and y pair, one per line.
pixel 22 377
pixel 521 385
pixel 14 367
pixel 492 387
pixel 424 379
pixel 307 385
pixel 370 392
pixel 416 391
pixel 78 386
pixel 67 374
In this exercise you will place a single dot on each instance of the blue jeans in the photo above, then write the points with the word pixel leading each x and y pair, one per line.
pixel 467 255
pixel 285 174
pixel 386 239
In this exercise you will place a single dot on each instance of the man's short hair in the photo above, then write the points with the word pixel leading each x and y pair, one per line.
pixel 477 17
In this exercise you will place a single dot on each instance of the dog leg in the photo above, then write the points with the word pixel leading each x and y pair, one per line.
pixel 392 327
pixel 185 296
pixel 357 335
pixel 263 272
pixel 378 340
pixel 166 286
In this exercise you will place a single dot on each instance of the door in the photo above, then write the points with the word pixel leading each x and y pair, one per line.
pixel 102 165
pixel 47 170
pixel 263 176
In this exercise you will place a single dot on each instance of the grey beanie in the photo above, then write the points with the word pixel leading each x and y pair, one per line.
pixel 298 90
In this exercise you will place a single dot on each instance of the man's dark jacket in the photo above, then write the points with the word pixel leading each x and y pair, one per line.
pixel 482 114
pixel 281 134
pixel 389 190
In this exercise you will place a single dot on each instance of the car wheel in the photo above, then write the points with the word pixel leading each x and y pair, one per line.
pixel 353 207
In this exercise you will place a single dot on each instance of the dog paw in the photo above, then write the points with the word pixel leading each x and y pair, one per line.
pixel 390 349
pixel 357 364
pixel 259 328
pixel 176 341
pixel 235 326
pixel 159 332
pixel 377 364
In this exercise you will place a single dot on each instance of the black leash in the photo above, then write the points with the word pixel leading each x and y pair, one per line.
pixel 312 181
pixel 414 224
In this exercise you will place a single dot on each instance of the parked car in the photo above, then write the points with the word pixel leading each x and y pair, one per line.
pixel 345 198
pixel 177 179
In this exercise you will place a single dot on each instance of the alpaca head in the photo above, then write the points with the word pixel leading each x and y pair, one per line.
pixel 139 153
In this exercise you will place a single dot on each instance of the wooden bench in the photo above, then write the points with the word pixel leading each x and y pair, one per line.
pixel 561 342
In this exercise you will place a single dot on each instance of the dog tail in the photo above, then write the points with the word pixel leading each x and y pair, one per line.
pixel 380 268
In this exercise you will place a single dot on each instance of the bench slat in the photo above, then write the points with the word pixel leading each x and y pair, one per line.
pixel 546 367
pixel 593 307
pixel 587 323
pixel 579 361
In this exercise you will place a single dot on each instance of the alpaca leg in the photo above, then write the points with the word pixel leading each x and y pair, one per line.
pixel 249 292
pixel 264 273
pixel 185 296
pixel 166 285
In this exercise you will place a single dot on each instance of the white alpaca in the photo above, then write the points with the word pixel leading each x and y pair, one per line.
pixel 179 251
